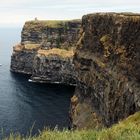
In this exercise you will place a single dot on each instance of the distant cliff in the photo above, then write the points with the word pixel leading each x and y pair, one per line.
pixel 46 51
pixel 107 61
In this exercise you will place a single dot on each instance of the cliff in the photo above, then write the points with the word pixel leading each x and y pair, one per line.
pixel 46 51
pixel 54 66
pixel 23 57
pixel 105 67
pixel 107 62
pixel 51 33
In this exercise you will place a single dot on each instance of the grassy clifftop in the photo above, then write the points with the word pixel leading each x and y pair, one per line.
pixel 128 129
pixel 55 51
pixel 49 23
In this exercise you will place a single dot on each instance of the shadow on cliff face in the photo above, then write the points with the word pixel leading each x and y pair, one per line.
pixel 25 77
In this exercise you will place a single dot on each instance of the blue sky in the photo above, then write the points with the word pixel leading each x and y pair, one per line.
pixel 16 12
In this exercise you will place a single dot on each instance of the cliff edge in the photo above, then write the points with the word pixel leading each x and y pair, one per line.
pixel 107 62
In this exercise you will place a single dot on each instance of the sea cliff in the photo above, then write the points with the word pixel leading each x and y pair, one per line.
pixel 107 62
pixel 105 66
pixel 46 51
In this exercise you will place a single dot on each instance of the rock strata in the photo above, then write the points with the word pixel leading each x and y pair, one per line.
pixel 107 62
pixel 54 66
pixel 22 58
pixel 46 51
pixel 51 34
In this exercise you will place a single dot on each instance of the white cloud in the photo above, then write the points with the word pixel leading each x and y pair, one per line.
pixel 16 12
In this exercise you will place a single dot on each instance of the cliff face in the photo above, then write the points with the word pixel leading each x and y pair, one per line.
pixel 54 66
pixel 23 57
pixel 51 34
pixel 46 51
pixel 107 62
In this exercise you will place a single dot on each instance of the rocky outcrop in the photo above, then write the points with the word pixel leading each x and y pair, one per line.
pixel 23 58
pixel 46 51
pixel 51 34
pixel 107 62
pixel 54 66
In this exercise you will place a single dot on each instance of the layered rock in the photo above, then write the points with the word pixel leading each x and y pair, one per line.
pixel 54 66
pixel 46 51
pixel 107 62
pixel 51 34
pixel 23 58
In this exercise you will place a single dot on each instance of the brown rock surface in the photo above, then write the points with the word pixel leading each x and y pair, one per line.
pixel 107 63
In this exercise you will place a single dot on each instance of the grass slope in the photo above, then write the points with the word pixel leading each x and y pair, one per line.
pixel 128 129
pixel 55 51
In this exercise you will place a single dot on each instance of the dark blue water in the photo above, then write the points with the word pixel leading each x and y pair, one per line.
pixel 24 104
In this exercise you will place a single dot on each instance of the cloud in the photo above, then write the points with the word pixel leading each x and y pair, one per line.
pixel 16 12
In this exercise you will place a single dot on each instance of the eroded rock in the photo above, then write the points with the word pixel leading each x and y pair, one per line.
pixel 46 51
pixel 107 62
pixel 54 66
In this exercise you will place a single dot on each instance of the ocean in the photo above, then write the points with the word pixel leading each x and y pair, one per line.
pixel 26 106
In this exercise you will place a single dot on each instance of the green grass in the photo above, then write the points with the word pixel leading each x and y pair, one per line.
pixel 48 23
pixel 31 46
pixel 128 129
pixel 55 51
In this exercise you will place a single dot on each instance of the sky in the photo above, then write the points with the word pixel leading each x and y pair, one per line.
pixel 14 13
